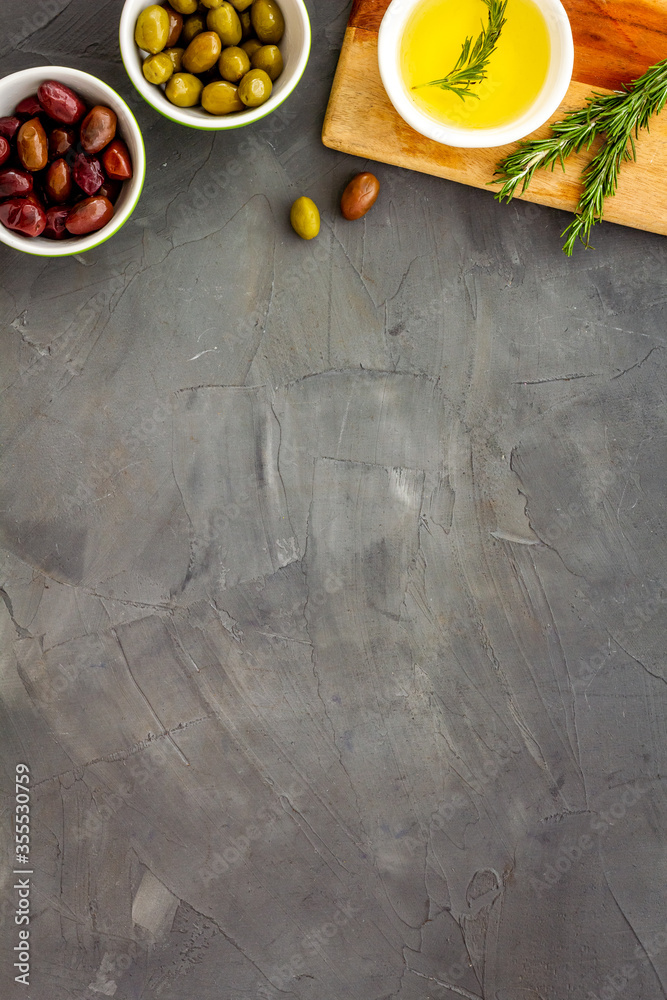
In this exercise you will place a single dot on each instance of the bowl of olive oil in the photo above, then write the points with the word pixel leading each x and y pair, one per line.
pixel 475 73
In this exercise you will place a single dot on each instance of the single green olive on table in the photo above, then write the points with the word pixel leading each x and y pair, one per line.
pixel 358 197
pixel 222 55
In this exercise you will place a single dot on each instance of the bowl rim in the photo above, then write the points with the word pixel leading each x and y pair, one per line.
pixel 182 116
pixel 34 75
pixel 546 103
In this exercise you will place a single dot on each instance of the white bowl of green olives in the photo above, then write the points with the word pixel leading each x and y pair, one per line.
pixel 72 161
pixel 215 64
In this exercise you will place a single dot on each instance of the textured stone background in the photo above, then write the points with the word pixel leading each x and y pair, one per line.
pixel 333 579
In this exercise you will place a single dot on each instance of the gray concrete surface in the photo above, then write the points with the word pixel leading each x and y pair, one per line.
pixel 333 579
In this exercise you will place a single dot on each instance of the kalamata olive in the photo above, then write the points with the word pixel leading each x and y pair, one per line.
pixel 58 183
pixel 110 189
pixel 359 195
pixel 9 126
pixel 98 128
pixel 60 103
pixel 5 150
pixel 175 26
pixel 88 173
pixel 116 161
pixel 32 199
pixel 32 145
pixel 15 183
pixel 89 215
pixel 61 140
pixel 56 217
pixel 23 216
pixel 29 107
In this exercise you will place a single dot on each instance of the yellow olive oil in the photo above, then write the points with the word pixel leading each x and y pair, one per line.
pixel 516 71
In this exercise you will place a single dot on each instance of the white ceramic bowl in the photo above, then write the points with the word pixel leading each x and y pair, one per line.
pixel 295 48
pixel 547 101
pixel 13 89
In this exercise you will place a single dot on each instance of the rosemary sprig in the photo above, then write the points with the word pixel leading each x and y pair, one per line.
pixel 618 117
pixel 471 65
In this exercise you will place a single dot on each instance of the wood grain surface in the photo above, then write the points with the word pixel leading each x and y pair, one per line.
pixel 614 44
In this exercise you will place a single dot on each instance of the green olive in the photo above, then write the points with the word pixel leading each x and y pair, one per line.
pixel 268 21
pixel 240 4
pixel 221 98
pixel 192 26
pixel 158 68
pixel 251 46
pixel 176 56
pixel 211 4
pixel 268 58
pixel 152 29
pixel 184 6
pixel 184 90
pixel 255 88
pixel 246 26
pixel 225 22
pixel 202 52
pixel 234 63
pixel 305 218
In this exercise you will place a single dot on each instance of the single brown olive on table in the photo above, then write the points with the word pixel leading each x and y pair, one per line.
pixel 359 195
pixel 32 145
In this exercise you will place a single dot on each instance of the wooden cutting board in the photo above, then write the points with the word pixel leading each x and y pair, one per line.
pixel 615 41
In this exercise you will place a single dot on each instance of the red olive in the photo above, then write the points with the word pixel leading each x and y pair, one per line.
pixel 9 126
pixel 98 128
pixel 61 141
pixel 116 161
pixel 89 215
pixel 111 189
pixel 175 26
pixel 88 173
pixel 5 150
pixel 15 183
pixel 32 145
pixel 29 106
pixel 58 183
pixel 55 222
pixel 23 216
pixel 60 103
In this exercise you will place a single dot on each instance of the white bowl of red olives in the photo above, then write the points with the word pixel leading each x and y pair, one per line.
pixel 72 161
pixel 215 64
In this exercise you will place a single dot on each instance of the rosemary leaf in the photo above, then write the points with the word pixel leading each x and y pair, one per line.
pixel 618 117
pixel 471 66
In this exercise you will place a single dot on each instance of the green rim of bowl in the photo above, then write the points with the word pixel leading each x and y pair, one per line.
pixel 224 128
pixel 75 253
